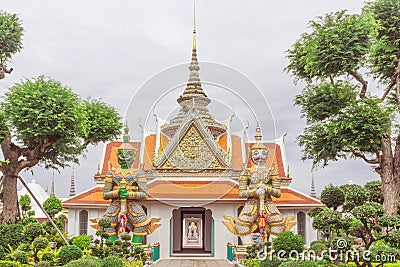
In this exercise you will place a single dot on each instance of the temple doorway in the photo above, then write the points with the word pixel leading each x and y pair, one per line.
pixel 192 231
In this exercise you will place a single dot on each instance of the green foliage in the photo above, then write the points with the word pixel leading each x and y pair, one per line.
pixel 20 256
pixel 44 113
pixel 11 32
pixel 102 251
pixel 355 195
pixel 39 243
pixel 9 263
pixel 25 203
pixel 271 262
pixel 139 254
pixel 319 246
pixel 338 44
pixel 136 263
pixel 33 230
pixel 357 128
pixel 126 237
pixel 102 121
pixel 82 241
pixel 299 264
pixel 112 261
pixel 332 197
pixel 375 192
pixel 69 253
pixel 288 241
pixel 11 234
pixel 314 211
pixel 367 211
pixel 252 251
pixel 48 257
pixel 394 239
pixel 319 101
pixel 104 223
pixel 83 262
pixel 378 252
pixel 43 264
pixel 383 59
pixel 251 263
pixel 3 128
pixel 52 206
pixel 2 253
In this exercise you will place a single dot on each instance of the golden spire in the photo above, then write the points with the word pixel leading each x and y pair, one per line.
pixel 194 26
pixel 258 135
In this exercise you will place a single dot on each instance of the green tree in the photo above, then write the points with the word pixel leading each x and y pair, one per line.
pixel 344 117
pixel 288 241
pixel 25 204
pixel 332 197
pixel 360 216
pixel 52 206
pixel 10 39
pixel 44 122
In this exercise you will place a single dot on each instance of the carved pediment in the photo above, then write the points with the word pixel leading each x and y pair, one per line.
pixel 194 148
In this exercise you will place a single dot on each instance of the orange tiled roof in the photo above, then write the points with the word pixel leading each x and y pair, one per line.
pixel 192 189
pixel 93 196
pixel 110 155
pixel 274 156
pixel 218 190
pixel 237 153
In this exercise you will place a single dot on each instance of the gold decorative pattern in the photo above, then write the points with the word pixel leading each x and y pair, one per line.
pixel 192 153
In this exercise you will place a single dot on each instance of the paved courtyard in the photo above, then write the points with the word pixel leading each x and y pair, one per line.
pixel 193 263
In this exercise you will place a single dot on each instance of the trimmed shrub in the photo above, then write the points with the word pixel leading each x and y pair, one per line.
pixel 82 241
pixel 83 262
pixel 288 241
pixel 112 261
pixel 69 253
pixel 318 246
pixel 271 262
pixel 33 230
pixel 40 243
pixel 52 206
pixel 11 234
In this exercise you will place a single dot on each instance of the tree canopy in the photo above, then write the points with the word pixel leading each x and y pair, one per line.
pixel 345 118
pixel 11 32
pixel 45 122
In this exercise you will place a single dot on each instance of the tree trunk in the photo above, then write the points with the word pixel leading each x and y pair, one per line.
pixel 389 171
pixel 10 199
pixel 391 191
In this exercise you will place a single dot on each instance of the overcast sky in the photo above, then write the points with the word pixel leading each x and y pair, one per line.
pixel 108 49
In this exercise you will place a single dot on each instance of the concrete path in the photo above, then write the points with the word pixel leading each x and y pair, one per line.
pixel 193 263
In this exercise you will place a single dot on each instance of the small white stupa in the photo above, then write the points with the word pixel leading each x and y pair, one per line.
pixel 41 196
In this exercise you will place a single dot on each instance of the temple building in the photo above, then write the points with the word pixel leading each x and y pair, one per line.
pixel 192 164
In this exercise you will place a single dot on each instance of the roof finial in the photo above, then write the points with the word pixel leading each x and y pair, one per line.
pixel 258 135
pixel 52 186
pixel 72 185
pixel 194 25
pixel 313 192
pixel 126 138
